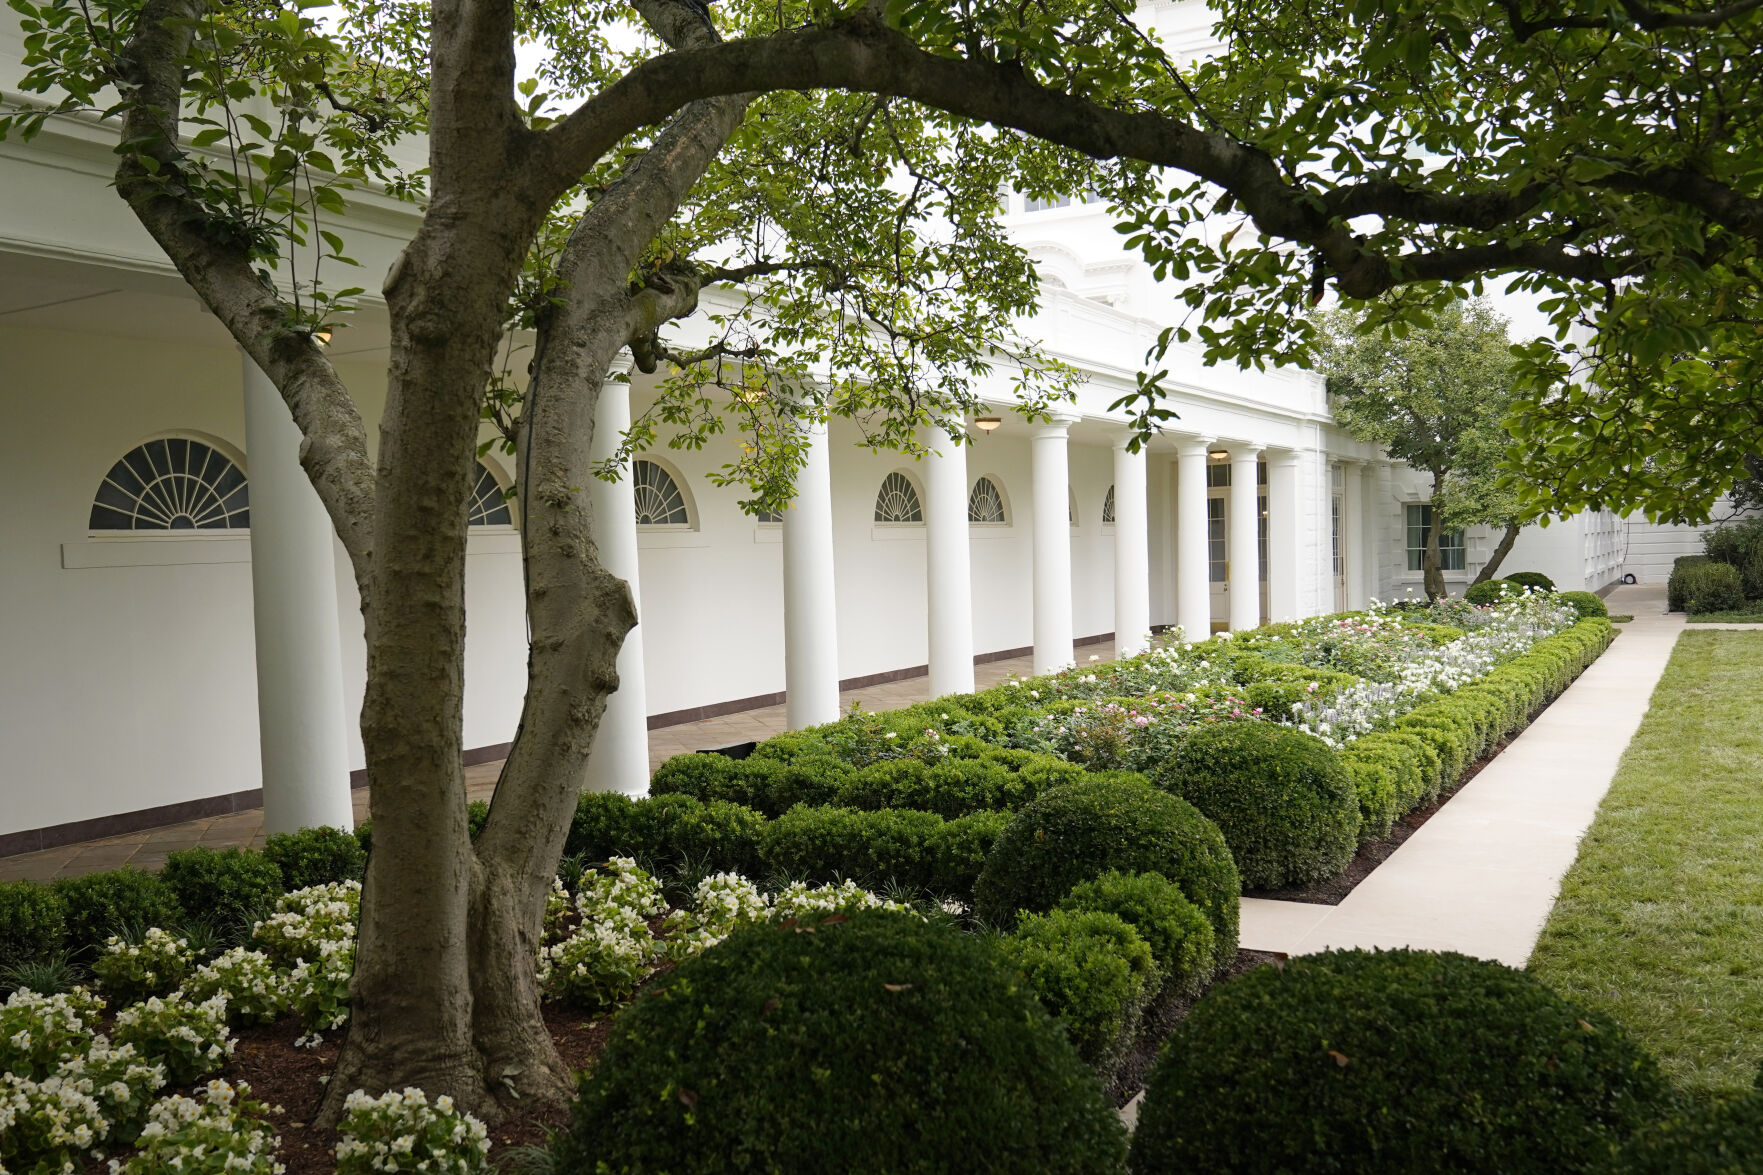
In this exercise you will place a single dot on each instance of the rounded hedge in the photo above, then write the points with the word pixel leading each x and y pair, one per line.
pixel 1488 591
pixel 1531 579
pixel 1585 604
pixel 1391 1061
pixel 1722 1138
pixel 869 1043
pixel 1285 803
pixel 1182 942
pixel 33 923
pixel 316 856
pixel 1081 831
pixel 226 886
pixel 1092 971
pixel 98 905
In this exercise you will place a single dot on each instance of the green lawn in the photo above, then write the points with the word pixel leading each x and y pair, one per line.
pixel 1748 616
pixel 1660 921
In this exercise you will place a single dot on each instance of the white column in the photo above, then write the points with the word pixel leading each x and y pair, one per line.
pixel 619 760
pixel 1052 548
pixel 1379 494
pixel 1193 591
pixel 1282 537
pixel 948 567
pixel 300 716
pixel 1245 547
pixel 811 629
pixel 1355 536
pixel 1132 552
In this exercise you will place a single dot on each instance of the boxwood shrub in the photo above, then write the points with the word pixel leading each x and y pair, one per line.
pixel 1180 938
pixel 1531 579
pixel 316 856
pixel 1586 604
pixel 1092 971
pixel 872 1044
pixel 1120 824
pixel 1488 591
pixel 224 886
pixel 1391 1061
pixel 33 925
pixel 97 905
pixel 1721 1137
pixel 1285 804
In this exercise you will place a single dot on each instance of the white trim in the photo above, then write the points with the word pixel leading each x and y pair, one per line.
pixel 886 532
pixel 655 537
pixel 157 550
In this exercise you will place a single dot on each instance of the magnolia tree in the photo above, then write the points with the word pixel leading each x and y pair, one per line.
pixel 1435 396
pixel 837 161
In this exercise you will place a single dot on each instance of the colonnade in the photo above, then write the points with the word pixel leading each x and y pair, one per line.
pixel 300 691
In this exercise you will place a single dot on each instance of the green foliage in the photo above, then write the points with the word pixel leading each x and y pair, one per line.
pixel 1075 833
pixel 313 856
pixel 1740 544
pixel 1092 971
pixel 1710 587
pixel 1674 586
pixel 918 850
pixel 230 886
pixel 1285 804
pixel 1182 942
pixel 1718 1137
pixel 98 905
pixel 1488 591
pixel 1531 579
pixel 1587 604
pixel 32 922
pixel 1392 1061
pixel 870 1043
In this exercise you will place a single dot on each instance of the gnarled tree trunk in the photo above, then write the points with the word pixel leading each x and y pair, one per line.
pixel 1501 550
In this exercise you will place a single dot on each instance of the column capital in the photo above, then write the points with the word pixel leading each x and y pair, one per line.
pixel 1189 446
pixel 1240 450
pixel 1284 458
pixel 1057 424
pixel 620 365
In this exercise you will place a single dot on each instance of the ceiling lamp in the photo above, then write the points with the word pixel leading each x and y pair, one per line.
pixel 1219 454
pixel 987 423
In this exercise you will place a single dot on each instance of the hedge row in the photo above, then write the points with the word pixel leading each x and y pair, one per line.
pixel 226 889
pixel 913 849
pixel 1427 749
pixel 973 776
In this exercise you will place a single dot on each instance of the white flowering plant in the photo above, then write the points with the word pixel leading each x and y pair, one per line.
pixel 558 910
pixel 130 971
pixel 800 900
pixel 621 884
pixel 41 1033
pixel 256 992
pixel 189 1038
pixel 602 961
pixel 720 903
pixel 121 1081
pixel 405 1132
pixel 223 1133
pixel 318 988
pixel 306 919
pixel 44 1125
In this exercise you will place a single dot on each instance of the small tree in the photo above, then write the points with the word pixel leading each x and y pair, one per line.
pixel 1434 397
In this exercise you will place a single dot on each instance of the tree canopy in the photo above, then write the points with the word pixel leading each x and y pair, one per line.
pixel 1436 397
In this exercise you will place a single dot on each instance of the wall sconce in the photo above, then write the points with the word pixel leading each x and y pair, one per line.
pixel 987 423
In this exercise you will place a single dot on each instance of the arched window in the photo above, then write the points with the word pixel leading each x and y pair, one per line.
pixel 489 501
pixel 985 503
pixel 1108 508
pixel 897 501
pixel 173 483
pixel 660 502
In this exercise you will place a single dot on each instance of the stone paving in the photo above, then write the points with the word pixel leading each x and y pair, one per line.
pixel 148 849
pixel 1481 876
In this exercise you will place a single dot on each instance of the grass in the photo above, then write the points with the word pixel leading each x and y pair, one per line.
pixel 1660 921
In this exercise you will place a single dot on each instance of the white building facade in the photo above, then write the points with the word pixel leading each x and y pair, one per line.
pixel 180 635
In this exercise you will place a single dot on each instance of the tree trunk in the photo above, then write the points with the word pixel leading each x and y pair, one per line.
pixel 1501 550
pixel 1432 575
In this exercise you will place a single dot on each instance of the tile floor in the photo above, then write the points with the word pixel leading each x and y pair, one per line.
pixel 148 849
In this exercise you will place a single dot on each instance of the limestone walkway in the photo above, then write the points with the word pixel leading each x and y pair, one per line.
pixel 1482 874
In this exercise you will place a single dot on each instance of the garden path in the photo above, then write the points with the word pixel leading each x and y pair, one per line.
pixel 147 849
pixel 1481 876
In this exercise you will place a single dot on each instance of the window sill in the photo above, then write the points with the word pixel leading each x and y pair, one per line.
pixel 648 539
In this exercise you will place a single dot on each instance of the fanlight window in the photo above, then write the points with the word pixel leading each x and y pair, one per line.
pixel 173 483
pixel 489 505
pixel 1108 508
pixel 985 503
pixel 898 500
pixel 659 500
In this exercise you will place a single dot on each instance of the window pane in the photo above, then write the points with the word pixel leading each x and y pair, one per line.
pixel 1215 539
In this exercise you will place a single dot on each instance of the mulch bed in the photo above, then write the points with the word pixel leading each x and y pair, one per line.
pixel 1330 891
